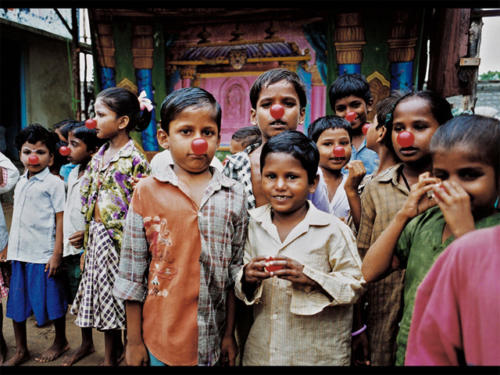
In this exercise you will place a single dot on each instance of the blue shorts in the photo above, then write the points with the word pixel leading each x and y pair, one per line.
pixel 33 291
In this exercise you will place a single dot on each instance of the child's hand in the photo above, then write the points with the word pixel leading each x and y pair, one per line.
pixel 454 202
pixel 292 271
pixel 228 350
pixel 76 239
pixel 3 254
pixel 418 201
pixel 360 350
pixel 357 171
pixel 136 354
pixel 53 264
pixel 254 271
pixel 82 262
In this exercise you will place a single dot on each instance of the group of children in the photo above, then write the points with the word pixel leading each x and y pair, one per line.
pixel 301 250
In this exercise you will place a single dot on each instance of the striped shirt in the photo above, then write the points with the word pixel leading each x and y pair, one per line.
pixel 167 238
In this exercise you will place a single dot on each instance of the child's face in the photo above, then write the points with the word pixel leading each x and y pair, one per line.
pixel 235 146
pixel 413 115
pixel 477 178
pixel 372 135
pixel 108 124
pixel 78 150
pixel 283 93
pixel 193 122
pixel 45 158
pixel 355 104
pixel 285 183
pixel 327 142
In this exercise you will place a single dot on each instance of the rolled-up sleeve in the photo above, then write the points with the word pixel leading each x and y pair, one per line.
pixel 343 285
pixel 131 282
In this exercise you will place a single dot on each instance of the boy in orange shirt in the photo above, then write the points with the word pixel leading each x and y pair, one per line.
pixel 183 245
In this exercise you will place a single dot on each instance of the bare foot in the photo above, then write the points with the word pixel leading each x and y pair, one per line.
pixel 18 358
pixel 52 353
pixel 81 352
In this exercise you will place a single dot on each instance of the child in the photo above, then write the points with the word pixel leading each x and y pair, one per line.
pixel 106 190
pixel 304 315
pixel 333 135
pixel 377 137
pixel 420 113
pixel 351 93
pixel 8 178
pixel 83 143
pixel 61 165
pixel 183 245
pixel 244 137
pixel 465 186
pixel 455 320
pixel 283 90
pixel 35 245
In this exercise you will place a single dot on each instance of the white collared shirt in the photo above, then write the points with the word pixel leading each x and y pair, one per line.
pixel 303 326
pixel 74 221
pixel 33 227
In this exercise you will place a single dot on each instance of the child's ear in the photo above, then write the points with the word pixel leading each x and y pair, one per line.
pixel 51 161
pixel 163 138
pixel 302 115
pixel 314 185
pixel 381 134
pixel 123 122
pixel 253 117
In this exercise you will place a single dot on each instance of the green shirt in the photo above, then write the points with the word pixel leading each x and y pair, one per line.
pixel 418 247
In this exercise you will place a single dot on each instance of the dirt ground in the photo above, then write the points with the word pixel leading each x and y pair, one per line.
pixel 41 338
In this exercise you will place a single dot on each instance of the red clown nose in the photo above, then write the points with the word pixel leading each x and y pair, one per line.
pixel 91 123
pixel 405 139
pixel 33 159
pixel 199 146
pixel 274 267
pixel 339 152
pixel 277 111
pixel 64 150
pixel 350 116
pixel 365 128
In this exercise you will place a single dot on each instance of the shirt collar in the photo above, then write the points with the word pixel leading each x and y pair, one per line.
pixel 391 174
pixel 167 174
pixel 124 152
pixel 40 175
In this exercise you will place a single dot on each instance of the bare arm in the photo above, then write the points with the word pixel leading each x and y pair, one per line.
pixel 356 173
pixel 379 256
pixel 55 259
pixel 228 346
pixel 135 350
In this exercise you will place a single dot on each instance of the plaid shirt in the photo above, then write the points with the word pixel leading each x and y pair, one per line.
pixel 222 222
pixel 238 167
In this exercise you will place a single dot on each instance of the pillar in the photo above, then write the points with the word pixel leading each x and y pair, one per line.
pixel 142 52
pixel 106 55
pixel 349 37
pixel 187 75
pixel 402 42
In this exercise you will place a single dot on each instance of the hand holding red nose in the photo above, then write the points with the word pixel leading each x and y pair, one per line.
pixel 64 150
pixel 405 139
pixel 350 116
pixel 277 111
pixel 199 146
pixel 33 159
pixel 339 152
pixel 91 123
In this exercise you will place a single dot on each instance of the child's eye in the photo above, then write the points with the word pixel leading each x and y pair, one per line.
pixel 185 131
pixel 26 152
pixel 344 143
pixel 340 108
pixel 441 175
pixel 327 144
pixel 265 104
pixel 208 132
pixel 398 128
pixel 355 104
pixel 469 174
pixel 290 103
pixel 292 177
pixel 270 176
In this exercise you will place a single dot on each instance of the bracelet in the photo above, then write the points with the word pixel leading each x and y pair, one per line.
pixel 359 331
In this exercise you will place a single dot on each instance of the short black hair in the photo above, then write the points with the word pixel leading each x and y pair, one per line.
pixel 181 99
pixel 347 85
pixel 296 144
pixel 384 109
pixel 87 136
pixel 479 134
pixel 276 75
pixel 34 133
pixel 315 129
pixel 247 135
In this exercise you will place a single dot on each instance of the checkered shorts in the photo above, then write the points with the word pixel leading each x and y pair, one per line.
pixel 94 304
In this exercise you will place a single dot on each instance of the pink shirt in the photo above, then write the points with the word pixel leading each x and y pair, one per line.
pixel 456 320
